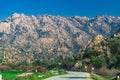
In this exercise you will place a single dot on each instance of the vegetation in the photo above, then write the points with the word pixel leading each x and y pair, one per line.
pixel 55 63
pixel 14 75
pixel 105 54
pixel 40 76
pixel 114 45
pixel 96 59
pixel 10 75
pixel 97 77
pixel 116 76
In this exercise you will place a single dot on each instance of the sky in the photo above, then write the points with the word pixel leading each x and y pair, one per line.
pixel 89 8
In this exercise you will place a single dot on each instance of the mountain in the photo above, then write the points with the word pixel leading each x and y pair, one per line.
pixel 25 38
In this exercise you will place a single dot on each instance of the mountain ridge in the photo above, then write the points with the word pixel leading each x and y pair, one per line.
pixel 52 36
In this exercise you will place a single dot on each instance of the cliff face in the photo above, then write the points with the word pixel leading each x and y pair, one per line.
pixel 50 36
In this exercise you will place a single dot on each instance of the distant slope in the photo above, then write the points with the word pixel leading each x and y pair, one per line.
pixel 50 36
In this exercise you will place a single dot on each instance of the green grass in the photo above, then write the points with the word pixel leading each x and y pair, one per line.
pixel 12 75
pixel 9 75
pixel 98 77
pixel 41 76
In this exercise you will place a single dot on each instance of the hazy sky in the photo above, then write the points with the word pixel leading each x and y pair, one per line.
pixel 88 8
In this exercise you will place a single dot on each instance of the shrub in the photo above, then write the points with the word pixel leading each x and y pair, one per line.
pixel 40 69
pixel 106 72
pixel 62 71
pixel 5 67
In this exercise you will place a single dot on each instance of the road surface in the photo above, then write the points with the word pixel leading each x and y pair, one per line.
pixel 72 76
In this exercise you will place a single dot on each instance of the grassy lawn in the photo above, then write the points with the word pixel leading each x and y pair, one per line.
pixel 98 77
pixel 12 75
pixel 9 75
pixel 41 76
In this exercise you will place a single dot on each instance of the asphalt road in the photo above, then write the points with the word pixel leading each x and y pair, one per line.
pixel 72 76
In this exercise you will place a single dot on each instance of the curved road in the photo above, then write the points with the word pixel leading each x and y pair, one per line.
pixel 72 76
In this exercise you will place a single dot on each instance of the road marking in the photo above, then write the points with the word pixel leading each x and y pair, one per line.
pixel 89 77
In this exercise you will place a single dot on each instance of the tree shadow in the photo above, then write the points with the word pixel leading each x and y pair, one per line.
pixel 75 77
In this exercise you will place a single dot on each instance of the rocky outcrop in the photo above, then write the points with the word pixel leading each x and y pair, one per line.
pixel 98 39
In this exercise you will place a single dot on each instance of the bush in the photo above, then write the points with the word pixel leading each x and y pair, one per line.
pixel 98 62
pixel 61 71
pixel 5 67
pixel 40 69
pixel 106 72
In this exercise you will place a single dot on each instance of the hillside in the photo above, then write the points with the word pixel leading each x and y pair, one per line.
pixel 25 38
pixel 104 52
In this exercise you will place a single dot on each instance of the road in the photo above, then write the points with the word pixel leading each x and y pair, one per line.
pixel 72 76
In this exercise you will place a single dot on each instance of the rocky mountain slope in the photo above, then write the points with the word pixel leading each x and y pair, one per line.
pixel 104 52
pixel 50 36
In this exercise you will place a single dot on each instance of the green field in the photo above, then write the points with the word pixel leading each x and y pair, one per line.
pixel 9 75
pixel 12 75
